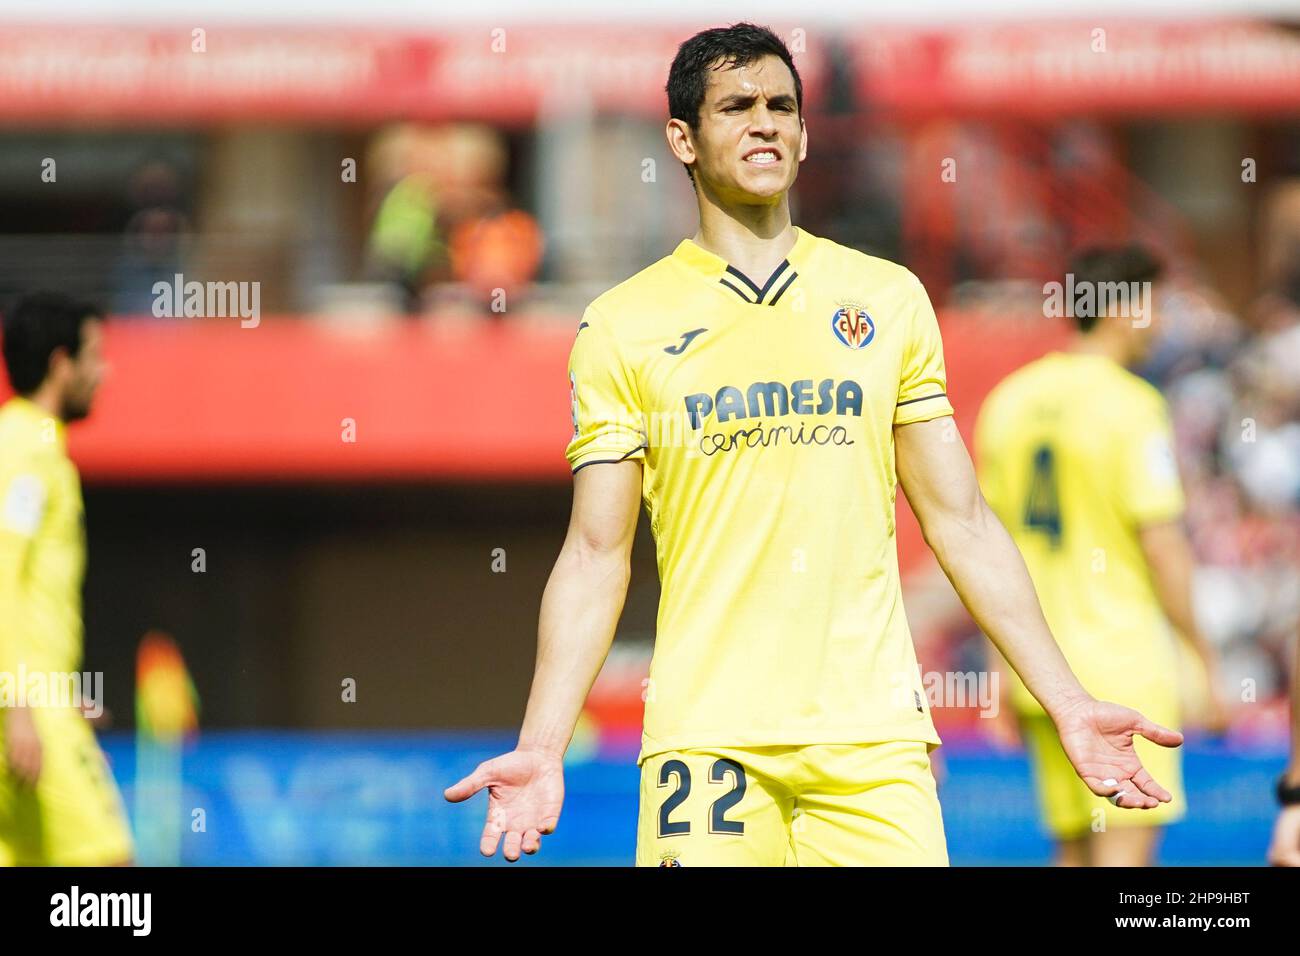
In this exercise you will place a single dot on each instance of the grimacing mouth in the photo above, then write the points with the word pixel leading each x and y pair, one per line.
pixel 777 156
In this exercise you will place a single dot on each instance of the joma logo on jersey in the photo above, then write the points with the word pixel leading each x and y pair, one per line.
pixel 853 327
pixel 773 398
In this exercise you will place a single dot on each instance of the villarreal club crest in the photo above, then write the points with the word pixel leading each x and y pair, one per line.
pixel 852 326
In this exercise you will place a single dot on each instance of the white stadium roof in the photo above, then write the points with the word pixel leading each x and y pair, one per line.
pixel 431 13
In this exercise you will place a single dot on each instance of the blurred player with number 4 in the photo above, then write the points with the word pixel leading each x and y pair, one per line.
pixel 1076 457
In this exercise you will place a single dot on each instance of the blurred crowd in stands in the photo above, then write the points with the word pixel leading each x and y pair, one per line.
pixel 1233 384
pixel 444 226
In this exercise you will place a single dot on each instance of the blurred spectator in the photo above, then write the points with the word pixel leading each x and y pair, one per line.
pixel 499 250
pixel 403 240
pixel 152 244
pixel 442 216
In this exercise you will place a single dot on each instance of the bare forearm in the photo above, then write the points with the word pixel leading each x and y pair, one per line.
pixel 579 613
pixel 989 574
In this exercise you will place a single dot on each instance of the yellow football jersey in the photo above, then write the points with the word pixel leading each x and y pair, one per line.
pixel 74 816
pixel 42 543
pixel 764 412
pixel 1075 455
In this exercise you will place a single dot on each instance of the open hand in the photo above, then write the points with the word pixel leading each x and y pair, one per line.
pixel 525 792
pixel 1097 737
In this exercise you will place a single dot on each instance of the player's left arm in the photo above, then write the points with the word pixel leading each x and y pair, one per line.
pixel 989 574
pixel 22 508
pixel 1168 554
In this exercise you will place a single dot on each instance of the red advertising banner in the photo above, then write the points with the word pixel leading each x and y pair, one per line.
pixel 1058 68
pixel 517 75
pixel 341 77
pixel 304 399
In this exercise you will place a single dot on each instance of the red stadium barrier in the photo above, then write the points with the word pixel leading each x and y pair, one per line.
pixel 209 400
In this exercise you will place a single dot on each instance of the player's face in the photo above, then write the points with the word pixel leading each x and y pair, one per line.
pixel 751 138
pixel 86 372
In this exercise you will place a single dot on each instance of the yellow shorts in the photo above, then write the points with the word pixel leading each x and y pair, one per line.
pixel 74 816
pixel 1070 810
pixel 816 805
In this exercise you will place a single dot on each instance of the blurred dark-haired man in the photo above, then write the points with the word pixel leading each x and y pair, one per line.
pixel 1076 456
pixel 58 802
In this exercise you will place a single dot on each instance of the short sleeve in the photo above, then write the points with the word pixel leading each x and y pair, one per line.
pixel 1151 491
pixel 608 424
pixel 22 503
pixel 923 386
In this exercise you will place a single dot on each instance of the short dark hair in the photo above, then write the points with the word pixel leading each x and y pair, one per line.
pixel 1098 265
pixel 737 45
pixel 36 326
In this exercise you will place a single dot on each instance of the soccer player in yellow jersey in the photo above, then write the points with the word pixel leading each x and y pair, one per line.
pixel 761 391
pixel 1076 457
pixel 58 802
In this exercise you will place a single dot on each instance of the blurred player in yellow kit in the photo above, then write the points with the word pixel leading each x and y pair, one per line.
pixel 1076 456
pixel 58 803
pixel 763 391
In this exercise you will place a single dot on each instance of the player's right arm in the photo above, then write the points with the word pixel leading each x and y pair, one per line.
pixel 582 601
pixel 22 507
pixel 580 610
pixel 583 598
